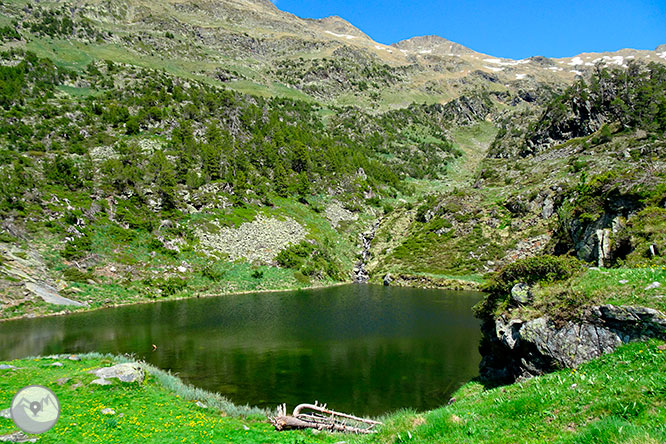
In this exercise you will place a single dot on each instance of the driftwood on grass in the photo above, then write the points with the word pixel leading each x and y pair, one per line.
pixel 315 416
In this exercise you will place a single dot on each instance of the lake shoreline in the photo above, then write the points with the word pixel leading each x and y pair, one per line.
pixel 177 298
pixel 403 280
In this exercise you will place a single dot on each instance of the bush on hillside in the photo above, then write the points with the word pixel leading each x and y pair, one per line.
pixel 533 270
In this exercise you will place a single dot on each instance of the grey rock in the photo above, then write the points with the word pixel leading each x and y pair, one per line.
pixel 521 294
pixel 6 367
pixel 128 372
pixel 652 286
pixel 50 294
pixel 101 381
pixel 604 247
pixel 514 350
pixel 632 322
pixel 6 413
pixel 74 358
pixel 62 381
pixel 56 364
pixel 571 345
pixel 387 279
pixel 201 404
pixel 508 332
pixel 548 208
pixel 17 437
pixel 257 241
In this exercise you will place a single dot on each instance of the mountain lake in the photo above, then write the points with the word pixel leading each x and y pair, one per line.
pixel 362 349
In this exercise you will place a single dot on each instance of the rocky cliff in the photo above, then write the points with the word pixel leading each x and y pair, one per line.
pixel 514 349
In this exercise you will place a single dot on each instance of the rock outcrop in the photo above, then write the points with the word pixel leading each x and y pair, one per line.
pixel 128 372
pixel 514 349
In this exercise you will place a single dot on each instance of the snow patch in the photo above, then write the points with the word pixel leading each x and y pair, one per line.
pixel 661 55
pixel 578 73
pixel 520 76
pixel 514 62
pixel 493 68
pixel 342 36
pixel 576 61
pixel 425 51
pixel 498 61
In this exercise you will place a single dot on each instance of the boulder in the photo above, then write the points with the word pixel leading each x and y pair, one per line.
pixel 17 437
pixel 521 294
pixel 387 279
pixel 572 344
pixel 548 208
pixel 128 372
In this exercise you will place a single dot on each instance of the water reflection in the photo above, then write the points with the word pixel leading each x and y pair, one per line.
pixel 362 349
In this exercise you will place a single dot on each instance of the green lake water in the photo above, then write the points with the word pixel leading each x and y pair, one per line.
pixel 361 349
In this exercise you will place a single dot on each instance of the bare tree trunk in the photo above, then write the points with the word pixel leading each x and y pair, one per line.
pixel 324 419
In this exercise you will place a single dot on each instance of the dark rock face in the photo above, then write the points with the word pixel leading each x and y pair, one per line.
pixel 467 110
pixel 514 349
pixel 557 126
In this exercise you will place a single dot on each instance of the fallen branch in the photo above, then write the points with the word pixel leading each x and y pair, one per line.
pixel 321 418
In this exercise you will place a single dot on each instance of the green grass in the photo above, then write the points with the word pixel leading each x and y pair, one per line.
pixel 618 398
pixel 608 286
pixel 161 410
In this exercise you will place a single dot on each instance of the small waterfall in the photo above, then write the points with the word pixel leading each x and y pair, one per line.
pixel 361 276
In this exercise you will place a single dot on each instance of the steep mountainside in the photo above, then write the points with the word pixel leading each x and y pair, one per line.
pixel 163 148
pixel 252 46
pixel 582 174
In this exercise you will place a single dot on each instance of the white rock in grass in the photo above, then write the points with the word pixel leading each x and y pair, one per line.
pixel 17 437
pixel 624 281
pixel 101 381
pixel 127 372
pixel 108 412
pixel 652 286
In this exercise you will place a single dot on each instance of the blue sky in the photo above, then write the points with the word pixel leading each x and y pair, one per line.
pixel 504 28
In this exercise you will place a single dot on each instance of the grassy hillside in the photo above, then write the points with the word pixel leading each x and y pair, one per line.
pixel 120 184
pixel 591 159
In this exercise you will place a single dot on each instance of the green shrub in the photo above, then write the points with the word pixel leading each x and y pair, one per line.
pixel 76 275
pixel 77 248
pixel 533 270
pixel 294 255
pixel 300 277
pixel 171 285
pixel 212 272
pixel 257 274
